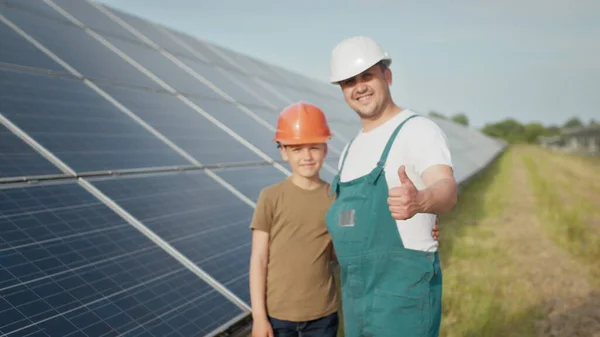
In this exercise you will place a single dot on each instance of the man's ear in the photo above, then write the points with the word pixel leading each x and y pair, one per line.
pixel 387 73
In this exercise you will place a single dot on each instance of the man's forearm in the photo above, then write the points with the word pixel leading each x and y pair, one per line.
pixel 438 198
pixel 258 273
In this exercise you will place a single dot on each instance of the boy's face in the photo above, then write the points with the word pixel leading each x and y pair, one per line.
pixel 305 160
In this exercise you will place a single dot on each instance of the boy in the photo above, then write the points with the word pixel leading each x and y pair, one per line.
pixel 291 278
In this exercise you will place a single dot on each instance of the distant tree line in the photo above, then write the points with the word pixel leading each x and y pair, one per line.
pixel 513 131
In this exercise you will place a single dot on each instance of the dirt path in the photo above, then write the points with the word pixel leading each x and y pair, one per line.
pixel 570 304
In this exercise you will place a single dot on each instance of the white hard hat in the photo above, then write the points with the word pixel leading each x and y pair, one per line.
pixel 354 55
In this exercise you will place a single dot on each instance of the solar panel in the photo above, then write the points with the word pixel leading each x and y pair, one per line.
pixel 196 215
pixel 89 57
pixel 79 126
pixel 16 50
pixel 129 250
pixel 238 120
pixel 162 67
pixel 18 159
pixel 262 176
pixel 184 126
pixel 70 266
pixel 92 18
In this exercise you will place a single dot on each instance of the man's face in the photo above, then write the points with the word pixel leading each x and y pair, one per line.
pixel 368 92
pixel 305 160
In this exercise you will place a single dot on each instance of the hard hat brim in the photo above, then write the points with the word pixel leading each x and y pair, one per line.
pixel 387 61
pixel 303 141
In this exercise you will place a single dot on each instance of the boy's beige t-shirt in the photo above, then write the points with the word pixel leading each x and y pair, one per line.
pixel 300 285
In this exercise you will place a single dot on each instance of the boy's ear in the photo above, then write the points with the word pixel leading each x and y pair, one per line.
pixel 283 152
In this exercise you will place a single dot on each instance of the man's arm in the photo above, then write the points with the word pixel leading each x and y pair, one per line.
pixel 440 196
pixel 431 159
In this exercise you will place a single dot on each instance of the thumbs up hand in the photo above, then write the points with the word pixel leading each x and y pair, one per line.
pixel 403 200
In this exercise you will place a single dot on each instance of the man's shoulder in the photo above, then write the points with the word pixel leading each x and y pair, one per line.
pixel 422 124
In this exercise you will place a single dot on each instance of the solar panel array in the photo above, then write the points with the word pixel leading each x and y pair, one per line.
pixel 131 157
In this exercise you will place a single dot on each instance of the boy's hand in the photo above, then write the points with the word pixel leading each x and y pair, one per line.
pixel 262 328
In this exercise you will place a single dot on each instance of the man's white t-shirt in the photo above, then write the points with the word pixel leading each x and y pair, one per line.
pixel 419 144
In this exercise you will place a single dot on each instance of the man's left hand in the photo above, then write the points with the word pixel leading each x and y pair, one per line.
pixel 403 200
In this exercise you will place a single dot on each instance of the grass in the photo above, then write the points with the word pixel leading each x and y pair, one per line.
pixel 567 209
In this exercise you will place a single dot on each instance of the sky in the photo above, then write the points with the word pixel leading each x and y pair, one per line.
pixel 532 60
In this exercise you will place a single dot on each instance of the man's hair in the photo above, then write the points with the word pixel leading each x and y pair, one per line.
pixel 382 65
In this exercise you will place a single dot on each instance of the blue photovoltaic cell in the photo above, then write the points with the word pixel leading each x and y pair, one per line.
pixel 150 31
pixel 220 79
pixel 16 50
pixel 93 18
pixel 242 124
pixel 201 48
pixel 18 159
pixel 251 66
pixel 81 51
pixel 246 89
pixel 37 7
pixel 197 216
pixel 165 69
pixel 78 125
pixel 251 180
pixel 70 266
pixel 184 126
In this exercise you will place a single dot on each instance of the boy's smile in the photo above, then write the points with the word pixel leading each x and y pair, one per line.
pixel 305 160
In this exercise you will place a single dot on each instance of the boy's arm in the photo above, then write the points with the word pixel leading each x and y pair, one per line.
pixel 258 274
pixel 259 259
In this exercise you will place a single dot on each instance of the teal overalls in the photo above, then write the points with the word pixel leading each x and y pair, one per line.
pixel 387 290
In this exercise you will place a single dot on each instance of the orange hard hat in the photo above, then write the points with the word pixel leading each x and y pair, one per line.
pixel 302 123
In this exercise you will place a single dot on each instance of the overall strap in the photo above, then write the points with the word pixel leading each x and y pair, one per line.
pixel 384 155
pixel 336 180
pixel 345 155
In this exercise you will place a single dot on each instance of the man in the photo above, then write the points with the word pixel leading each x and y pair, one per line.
pixel 291 282
pixel 394 177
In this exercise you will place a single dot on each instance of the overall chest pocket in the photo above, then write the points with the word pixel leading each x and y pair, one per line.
pixel 348 220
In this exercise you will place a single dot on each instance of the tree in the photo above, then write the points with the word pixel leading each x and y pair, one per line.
pixel 508 129
pixel 461 118
pixel 436 114
pixel 573 122
pixel 533 131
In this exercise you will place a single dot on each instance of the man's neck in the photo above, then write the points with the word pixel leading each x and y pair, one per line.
pixel 306 183
pixel 391 111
